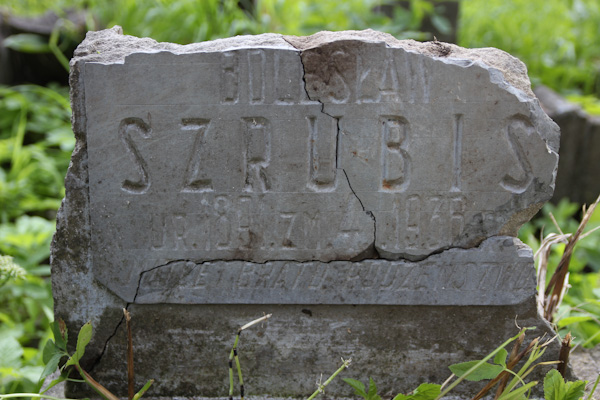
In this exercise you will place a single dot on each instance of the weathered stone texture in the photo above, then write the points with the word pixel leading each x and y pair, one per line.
pixel 364 189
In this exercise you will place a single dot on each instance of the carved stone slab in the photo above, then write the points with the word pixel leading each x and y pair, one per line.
pixel 365 190
pixel 221 154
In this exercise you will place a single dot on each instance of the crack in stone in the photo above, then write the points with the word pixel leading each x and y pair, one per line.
pixel 114 333
pixel 337 147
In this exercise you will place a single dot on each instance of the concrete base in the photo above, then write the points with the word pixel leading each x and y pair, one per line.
pixel 287 354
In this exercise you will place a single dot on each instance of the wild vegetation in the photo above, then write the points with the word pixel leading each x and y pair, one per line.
pixel 557 39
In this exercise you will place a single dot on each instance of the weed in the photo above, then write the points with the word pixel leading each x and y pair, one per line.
pixel 498 373
pixel 575 304
pixel 56 350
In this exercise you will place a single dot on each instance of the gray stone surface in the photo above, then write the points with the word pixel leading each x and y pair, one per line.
pixel 499 272
pixel 365 190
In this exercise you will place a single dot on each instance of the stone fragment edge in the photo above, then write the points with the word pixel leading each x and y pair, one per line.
pixel 111 45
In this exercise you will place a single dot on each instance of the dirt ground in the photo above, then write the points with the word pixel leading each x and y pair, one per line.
pixel 586 365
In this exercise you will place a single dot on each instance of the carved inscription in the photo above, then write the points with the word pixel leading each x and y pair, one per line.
pixel 394 155
pixel 322 153
pixel 256 76
pixel 194 180
pixel 366 153
pixel 230 78
pixel 370 282
pixel 257 138
pixel 260 77
pixel 142 128
pixel 242 223
pixel 519 128
pixel 427 222
pixel 396 78
pixel 458 134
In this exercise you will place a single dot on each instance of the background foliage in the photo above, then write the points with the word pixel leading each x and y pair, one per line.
pixel 557 39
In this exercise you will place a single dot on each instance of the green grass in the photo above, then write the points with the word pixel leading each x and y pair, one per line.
pixel 35 145
pixel 557 39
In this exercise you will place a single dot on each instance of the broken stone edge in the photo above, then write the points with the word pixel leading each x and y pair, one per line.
pixel 506 71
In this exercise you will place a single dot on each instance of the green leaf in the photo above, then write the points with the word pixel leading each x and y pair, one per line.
pixel 84 337
pixel 500 358
pixel 27 43
pixel 554 386
pixel 61 378
pixel 572 320
pixel 426 391
pixel 485 371
pixel 59 339
pixel 372 394
pixel 10 352
pixel 51 365
pixel 518 393
pixel 441 23
pixel 49 351
pixel 575 390
pixel 358 386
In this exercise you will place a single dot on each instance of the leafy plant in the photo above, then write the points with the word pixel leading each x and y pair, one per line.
pixel 425 391
pixel 55 350
pixel 579 311
pixel 10 270
pixel 26 306
pixel 35 145
pixel 555 387
pixel 498 373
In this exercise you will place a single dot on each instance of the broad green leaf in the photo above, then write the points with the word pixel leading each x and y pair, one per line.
pixel 554 386
pixel 485 371
pixel 575 390
pixel 10 352
pixel 50 350
pixel 358 386
pixel 500 358
pixel 426 391
pixel 84 337
pixel 51 365
pixel 27 43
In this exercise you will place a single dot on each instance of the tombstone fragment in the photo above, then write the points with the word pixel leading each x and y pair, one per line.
pixel 377 184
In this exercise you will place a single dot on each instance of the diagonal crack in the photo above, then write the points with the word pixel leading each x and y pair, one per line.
pixel 114 333
pixel 337 148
